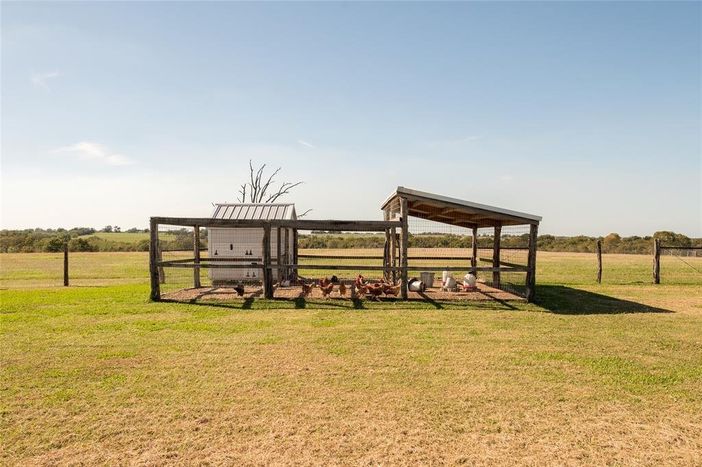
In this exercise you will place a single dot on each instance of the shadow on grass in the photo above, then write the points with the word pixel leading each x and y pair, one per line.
pixel 564 300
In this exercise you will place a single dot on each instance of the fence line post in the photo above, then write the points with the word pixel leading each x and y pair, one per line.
pixel 599 261
pixel 65 264
pixel 656 261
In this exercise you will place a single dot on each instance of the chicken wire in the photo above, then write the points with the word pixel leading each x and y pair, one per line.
pixel 434 246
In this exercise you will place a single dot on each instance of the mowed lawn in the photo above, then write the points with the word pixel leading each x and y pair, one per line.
pixel 590 374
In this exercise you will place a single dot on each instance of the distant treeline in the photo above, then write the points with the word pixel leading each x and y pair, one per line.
pixel 84 239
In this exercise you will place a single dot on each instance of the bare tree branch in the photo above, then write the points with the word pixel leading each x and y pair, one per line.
pixel 304 213
pixel 259 190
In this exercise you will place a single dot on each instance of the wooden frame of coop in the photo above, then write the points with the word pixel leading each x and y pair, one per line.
pixel 397 209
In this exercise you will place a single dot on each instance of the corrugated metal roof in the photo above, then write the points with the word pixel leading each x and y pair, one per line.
pixel 254 211
pixel 408 192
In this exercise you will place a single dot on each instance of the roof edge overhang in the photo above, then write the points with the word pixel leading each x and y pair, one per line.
pixel 417 194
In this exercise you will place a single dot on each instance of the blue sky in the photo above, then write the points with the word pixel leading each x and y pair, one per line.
pixel 585 113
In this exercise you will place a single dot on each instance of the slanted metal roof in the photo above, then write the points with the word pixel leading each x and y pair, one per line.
pixel 253 211
pixel 455 211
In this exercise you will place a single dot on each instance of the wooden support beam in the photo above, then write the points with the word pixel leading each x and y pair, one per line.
pixel 496 256
pixel 279 253
pixel 306 224
pixel 474 248
pixel 196 248
pixel 393 254
pixel 286 272
pixel 267 276
pixel 295 254
pixel 403 248
pixel 153 259
pixel 531 263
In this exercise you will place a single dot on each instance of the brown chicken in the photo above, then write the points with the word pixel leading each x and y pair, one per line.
pixel 326 286
pixel 374 290
pixel 389 289
pixel 342 290
pixel 306 289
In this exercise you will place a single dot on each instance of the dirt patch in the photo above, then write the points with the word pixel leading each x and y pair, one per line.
pixel 223 293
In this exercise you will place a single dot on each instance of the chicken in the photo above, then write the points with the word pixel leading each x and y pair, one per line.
pixel 306 289
pixel 239 289
pixel 360 282
pixel 374 290
pixel 326 286
pixel 342 290
pixel 389 289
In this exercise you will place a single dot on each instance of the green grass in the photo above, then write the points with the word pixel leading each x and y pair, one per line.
pixel 590 374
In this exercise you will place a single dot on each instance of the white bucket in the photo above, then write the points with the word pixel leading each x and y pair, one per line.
pixel 427 278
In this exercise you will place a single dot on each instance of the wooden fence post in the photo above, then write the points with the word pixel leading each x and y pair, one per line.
pixel 496 256
pixel 531 263
pixel 598 247
pixel 196 248
pixel 656 261
pixel 267 267
pixel 153 259
pixel 65 264
pixel 404 242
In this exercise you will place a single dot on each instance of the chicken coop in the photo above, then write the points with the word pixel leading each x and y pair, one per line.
pixel 264 250
pixel 243 245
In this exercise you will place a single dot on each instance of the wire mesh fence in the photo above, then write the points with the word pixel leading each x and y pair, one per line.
pixel 681 265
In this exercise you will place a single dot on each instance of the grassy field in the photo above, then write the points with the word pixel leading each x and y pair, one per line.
pixel 590 374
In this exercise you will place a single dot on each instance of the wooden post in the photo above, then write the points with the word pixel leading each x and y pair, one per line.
pixel 386 249
pixel 267 267
pixel 279 253
pixel 598 249
pixel 496 256
pixel 161 272
pixel 531 263
pixel 286 256
pixel 153 258
pixel 474 253
pixel 65 264
pixel 403 248
pixel 196 249
pixel 393 254
pixel 656 260
pixel 295 253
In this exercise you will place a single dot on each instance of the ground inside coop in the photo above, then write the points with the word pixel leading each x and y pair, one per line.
pixel 227 293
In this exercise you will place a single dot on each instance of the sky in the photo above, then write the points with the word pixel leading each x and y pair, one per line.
pixel 588 113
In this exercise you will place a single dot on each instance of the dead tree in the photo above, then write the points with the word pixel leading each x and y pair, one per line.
pixel 260 188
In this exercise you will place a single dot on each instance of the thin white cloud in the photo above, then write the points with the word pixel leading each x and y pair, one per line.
pixel 41 80
pixel 87 150
pixel 305 143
